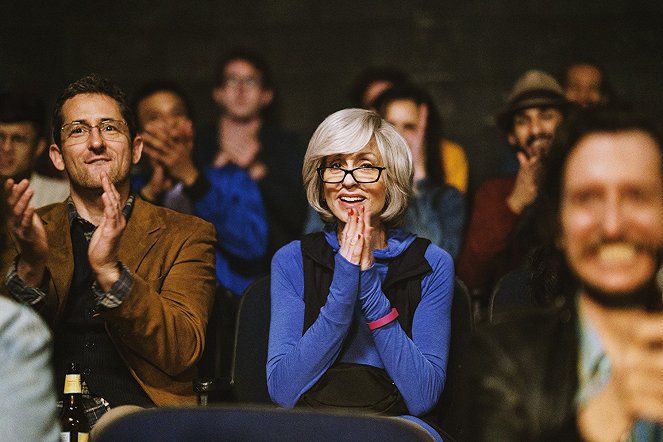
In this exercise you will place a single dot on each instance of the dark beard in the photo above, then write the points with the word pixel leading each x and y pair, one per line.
pixel 648 296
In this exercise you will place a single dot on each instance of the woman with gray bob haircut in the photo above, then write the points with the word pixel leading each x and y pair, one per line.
pixel 349 131
pixel 360 311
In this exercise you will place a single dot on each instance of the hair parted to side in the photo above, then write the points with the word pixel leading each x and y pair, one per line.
pixel 92 84
pixel 551 275
pixel 348 131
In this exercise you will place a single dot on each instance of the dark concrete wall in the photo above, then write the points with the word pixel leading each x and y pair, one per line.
pixel 467 53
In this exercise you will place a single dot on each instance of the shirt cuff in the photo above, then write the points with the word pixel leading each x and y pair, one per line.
pixel 199 188
pixel 20 291
pixel 118 292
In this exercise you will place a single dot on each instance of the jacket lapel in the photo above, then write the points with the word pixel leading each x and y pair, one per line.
pixel 143 230
pixel 60 262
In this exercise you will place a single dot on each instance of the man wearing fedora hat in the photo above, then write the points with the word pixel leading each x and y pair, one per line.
pixel 534 109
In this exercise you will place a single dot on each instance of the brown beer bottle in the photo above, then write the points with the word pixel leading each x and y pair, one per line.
pixel 75 427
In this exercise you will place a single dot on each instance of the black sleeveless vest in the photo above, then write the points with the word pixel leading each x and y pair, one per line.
pixel 357 386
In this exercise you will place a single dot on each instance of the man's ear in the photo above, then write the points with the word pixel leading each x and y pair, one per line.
pixel 511 139
pixel 55 155
pixel 266 97
pixel 217 95
pixel 137 150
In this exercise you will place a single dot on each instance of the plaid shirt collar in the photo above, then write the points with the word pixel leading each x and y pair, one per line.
pixel 88 227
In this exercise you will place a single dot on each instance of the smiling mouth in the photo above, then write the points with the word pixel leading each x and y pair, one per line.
pixel 97 160
pixel 617 253
pixel 352 199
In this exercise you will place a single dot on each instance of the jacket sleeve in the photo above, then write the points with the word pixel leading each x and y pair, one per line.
pixel 418 365
pixel 510 398
pixel 234 206
pixel 164 316
pixel 27 395
pixel 494 398
pixel 490 232
pixel 295 361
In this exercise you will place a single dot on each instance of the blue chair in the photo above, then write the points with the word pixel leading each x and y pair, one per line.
pixel 239 424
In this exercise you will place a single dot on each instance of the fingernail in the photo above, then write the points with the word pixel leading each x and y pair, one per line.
pixel 351 212
pixel 357 219
pixel 359 236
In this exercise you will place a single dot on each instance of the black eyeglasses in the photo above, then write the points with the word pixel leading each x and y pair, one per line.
pixel 362 175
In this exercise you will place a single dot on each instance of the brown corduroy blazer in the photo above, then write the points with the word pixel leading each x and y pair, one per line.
pixel 159 329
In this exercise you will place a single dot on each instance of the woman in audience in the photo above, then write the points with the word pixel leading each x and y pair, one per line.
pixel 437 211
pixel 360 311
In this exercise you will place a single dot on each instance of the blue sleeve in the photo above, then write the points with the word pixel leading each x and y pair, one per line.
pixel 234 206
pixel 418 365
pixel 295 361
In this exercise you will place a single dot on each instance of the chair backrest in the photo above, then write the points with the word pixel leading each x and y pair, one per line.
pixel 216 359
pixel 239 424
pixel 510 296
pixel 248 372
pixel 462 326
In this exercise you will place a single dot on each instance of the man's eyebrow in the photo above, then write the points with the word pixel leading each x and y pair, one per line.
pixel 101 120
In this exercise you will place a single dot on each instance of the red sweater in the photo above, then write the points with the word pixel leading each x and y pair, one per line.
pixel 487 253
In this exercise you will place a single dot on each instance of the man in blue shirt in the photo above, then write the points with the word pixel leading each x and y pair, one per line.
pixel 224 195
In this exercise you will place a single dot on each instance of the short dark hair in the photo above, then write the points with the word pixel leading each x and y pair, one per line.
pixel 155 86
pixel 249 56
pixel 371 75
pixel 16 108
pixel 550 274
pixel 434 131
pixel 606 87
pixel 92 84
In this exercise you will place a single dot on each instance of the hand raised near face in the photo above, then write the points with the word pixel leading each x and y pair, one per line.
pixel 351 238
pixel 525 189
pixel 369 240
pixel 356 239
pixel 636 354
pixel 159 183
pixel 239 145
pixel 103 251
pixel 418 144
pixel 633 342
pixel 26 226
pixel 171 148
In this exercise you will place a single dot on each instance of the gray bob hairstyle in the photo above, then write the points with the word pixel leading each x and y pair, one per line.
pixel 348 131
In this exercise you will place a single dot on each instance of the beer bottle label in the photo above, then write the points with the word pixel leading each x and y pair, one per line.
pixel 65 436
pixel 72 383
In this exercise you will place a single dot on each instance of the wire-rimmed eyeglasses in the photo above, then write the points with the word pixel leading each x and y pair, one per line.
pixel 78 131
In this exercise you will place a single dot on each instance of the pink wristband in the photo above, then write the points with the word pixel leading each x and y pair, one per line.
pixel 386 319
